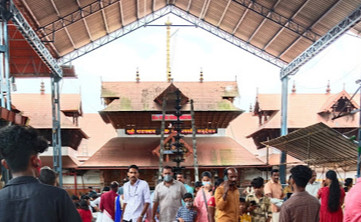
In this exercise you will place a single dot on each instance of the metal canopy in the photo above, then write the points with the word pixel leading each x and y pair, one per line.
pixel 277 31
pixel 318 145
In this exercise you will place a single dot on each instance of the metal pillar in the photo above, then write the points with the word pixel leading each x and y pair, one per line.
pixel 195 156
pixel 284 129
pixel 162 128
pixel 359 142
pixel 56 132
pixel 4 56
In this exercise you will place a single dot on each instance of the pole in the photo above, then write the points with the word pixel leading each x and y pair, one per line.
pixel 359 141
pixel 162 128
pixel 56 132
pixel 2 68
pixel 284 129
pixel 195 157
pixel 6 65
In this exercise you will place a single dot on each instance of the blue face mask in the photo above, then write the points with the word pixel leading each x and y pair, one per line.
pixel 206 183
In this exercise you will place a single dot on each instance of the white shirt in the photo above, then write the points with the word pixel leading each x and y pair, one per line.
pixel 312 188
pixel 135 196
pixel 95 203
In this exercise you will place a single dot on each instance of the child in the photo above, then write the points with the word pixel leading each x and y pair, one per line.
pixel 244 217
pixel 187 213
pixel 84 211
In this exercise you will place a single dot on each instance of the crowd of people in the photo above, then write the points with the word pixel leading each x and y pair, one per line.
pixel 33 195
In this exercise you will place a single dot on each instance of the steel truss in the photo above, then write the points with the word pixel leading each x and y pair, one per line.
pixel 142 22
pixel 227 37
pixel 5 97
pixel 154 16
pixel 56 132
pixel 322 43
pixel 80 14
pixel 33 39
pixel 278 19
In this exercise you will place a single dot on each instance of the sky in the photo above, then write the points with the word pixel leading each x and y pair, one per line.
pixel 193 49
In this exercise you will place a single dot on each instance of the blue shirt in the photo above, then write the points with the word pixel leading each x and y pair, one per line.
pixel 188 215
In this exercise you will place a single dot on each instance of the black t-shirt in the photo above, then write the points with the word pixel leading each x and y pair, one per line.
pixel 26 199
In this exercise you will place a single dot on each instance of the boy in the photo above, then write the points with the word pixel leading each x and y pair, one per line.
pixel 244 216
pixel 187 213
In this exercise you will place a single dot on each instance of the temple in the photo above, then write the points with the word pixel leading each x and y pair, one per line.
pixel 134 109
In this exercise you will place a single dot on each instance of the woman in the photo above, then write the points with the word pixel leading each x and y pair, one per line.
pixel 212 201
pixel 85 214
pixel 348 184
pixel 203 196
pixel 332 196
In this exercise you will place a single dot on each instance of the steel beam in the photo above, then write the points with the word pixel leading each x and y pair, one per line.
pixel 189 5
pixel 5 92
pixel 86 24
pixel 278 19
pixel 224 13
pixel 114 35
pixel 283 27
pixel 153 5
pixel 121 13
pixel 263 21
pixel 284 129
pixel 82 12
pixel 309 28
pixel 204 9
pixel 56 132
pixel 66 29
pixel 322 43
pixel 227 36
pixel 137 9
pixel 33 39
pixel 242 18
pixel 104 16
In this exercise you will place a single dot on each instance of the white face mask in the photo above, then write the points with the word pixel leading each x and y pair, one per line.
pixel 167 178
pixel 189 204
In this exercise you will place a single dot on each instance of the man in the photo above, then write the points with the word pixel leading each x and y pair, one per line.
pixel 24 198
pixel 180 178
pixel 352 211
pixel 168 195
pixel 107 201
pixel 47 176
pixel 136 197
pixel 313 186
pixel 273 189
pixel 257 203
pixel 91 191
pixel 301 206
pixel 227 198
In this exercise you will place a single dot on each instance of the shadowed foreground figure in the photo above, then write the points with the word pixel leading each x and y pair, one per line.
pixel 301 206
pixel 24 198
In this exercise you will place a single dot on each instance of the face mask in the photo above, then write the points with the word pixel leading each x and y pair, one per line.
pixel 168 178
pixel 206 183
pixel 189 204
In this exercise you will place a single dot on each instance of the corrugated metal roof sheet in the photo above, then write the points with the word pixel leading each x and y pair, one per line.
pixel 282 28
pixel 318 145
